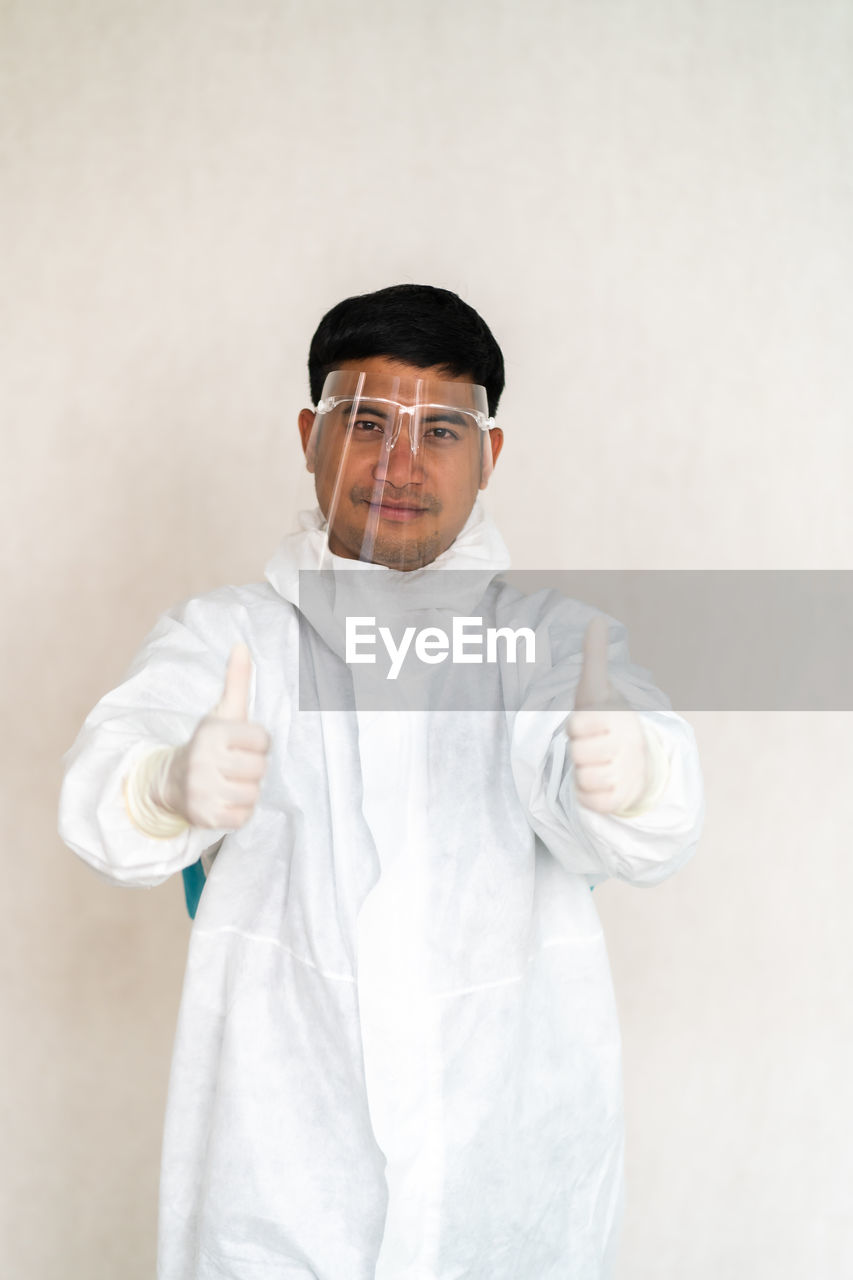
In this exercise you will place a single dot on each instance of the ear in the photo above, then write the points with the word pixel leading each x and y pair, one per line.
pixel 497 438
pixel 306 424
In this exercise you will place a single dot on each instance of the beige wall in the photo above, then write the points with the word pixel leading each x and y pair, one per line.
pixel 650 202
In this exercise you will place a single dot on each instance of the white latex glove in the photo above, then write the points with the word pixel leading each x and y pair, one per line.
pixel 214 779
pixel 614 762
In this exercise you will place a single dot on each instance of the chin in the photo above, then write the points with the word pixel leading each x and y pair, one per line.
pixel 406 554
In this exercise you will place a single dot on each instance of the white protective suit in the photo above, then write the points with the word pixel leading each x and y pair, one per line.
pixel 397 1052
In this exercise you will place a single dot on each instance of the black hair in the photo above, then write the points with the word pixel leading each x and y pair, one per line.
pixel 414 323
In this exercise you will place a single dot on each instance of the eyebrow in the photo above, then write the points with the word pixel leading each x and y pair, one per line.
pixel 362 406
pixel 366 407
pixel 449 415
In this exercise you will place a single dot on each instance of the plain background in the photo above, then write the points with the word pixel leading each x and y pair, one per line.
pixel 651 203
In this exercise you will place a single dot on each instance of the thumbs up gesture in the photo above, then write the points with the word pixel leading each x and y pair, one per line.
pixel 608 747
pixel 214 779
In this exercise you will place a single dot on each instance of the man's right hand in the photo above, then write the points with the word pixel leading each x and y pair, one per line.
pixel 214 779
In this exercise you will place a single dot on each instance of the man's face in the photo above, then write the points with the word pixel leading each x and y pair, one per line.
pixel 399 506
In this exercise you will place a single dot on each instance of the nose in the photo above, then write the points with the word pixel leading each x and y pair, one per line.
pixel 397 465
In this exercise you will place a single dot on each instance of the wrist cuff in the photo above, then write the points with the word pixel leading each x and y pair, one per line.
pixel 658 775
pixel 144 781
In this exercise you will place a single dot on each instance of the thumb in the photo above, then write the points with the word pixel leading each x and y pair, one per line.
pixel 234 703
pixel 594 686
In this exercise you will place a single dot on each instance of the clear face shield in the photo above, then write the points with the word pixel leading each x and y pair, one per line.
pixel 397 464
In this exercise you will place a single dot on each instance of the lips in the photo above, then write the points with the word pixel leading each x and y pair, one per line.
pixel 397 506
pixel 396 511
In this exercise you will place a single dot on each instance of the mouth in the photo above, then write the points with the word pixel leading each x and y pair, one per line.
pixel 398 511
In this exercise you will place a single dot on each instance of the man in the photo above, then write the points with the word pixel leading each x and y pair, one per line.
pixel 397 1053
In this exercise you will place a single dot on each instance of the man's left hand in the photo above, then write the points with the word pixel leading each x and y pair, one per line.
pixel 612 761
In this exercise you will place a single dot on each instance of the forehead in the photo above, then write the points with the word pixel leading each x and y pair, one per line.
pixel 378 378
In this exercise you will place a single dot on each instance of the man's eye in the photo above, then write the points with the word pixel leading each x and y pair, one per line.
pixel 368 425
pixel 443 433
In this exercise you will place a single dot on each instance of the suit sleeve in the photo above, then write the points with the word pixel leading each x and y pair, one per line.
pixel 643 849
pixel 174 680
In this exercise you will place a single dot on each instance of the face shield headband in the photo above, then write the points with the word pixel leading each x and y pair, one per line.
pixel 398 463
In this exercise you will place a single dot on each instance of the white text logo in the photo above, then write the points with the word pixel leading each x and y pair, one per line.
pixel 469 642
